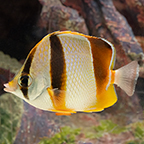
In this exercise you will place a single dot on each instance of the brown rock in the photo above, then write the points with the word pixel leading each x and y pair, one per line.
pixel 133 10
pixel 55 16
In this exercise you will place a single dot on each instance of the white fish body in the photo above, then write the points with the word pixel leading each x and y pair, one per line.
pixel 68 72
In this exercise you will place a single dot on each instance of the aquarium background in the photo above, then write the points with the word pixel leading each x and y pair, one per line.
pixel 23 23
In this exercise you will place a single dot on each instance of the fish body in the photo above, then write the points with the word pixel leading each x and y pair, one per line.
pixel 68 72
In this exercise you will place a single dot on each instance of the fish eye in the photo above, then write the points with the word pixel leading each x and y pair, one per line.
pixel 25 80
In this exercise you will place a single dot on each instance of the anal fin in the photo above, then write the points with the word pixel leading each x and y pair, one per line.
pixel 105 99
pixel 94 110
pixel 59 114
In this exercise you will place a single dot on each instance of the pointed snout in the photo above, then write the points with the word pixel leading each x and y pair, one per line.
pixel 10 86
pixel 7 88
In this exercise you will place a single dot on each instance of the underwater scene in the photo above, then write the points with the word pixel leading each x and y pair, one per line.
pixel 45 114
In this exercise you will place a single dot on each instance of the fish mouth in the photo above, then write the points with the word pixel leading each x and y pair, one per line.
pixel 8 88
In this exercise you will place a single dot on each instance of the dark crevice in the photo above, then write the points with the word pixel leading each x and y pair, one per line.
pixel 18 21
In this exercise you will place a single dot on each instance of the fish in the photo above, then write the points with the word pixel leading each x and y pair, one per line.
pixel 69 72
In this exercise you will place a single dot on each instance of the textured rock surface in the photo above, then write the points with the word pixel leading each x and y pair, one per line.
pixel 133 11
pixel 35 124
pixel 55 16
pixel 11 109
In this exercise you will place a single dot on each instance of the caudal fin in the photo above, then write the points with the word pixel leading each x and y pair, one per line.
pixel 126 77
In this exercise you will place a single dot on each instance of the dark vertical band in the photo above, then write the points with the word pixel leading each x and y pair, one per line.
pixel 29 61
pixel 26 71
pixel 101 54
pixel 57 64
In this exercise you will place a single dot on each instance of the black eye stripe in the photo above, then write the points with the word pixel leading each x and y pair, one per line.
pixel 26 70
pixel 24 80
pixel 23 77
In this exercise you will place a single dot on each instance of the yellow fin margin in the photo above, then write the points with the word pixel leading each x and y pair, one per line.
pixel 105 100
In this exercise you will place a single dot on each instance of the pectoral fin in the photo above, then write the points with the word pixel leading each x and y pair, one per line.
pixel 57 97
pixel 58 100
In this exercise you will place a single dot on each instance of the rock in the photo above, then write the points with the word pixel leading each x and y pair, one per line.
pixel 11 109
pixel 35 124
pixel 55 16
pixel 133 11
pixel 119 28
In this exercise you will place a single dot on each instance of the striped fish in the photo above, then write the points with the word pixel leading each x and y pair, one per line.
pixel 68 72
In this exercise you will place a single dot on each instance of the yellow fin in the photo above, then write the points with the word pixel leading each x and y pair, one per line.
pixel 104 100
pixel 94 110
pixel 66 112
pixel 108 98
pixel 58 114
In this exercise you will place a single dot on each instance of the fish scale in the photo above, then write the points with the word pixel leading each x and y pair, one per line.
pixel 77 86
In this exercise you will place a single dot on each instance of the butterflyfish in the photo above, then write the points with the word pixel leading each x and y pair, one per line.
pixel 69 72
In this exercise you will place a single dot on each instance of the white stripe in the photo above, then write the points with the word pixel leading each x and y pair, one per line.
pixel 113 52
pixel 92 62
pixel 109 80
pixel 81 88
